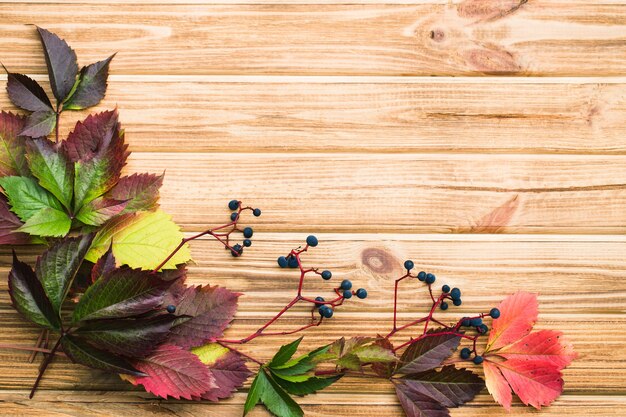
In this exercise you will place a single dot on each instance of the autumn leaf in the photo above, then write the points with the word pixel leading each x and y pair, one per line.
pixel 99 211
pixel 39 124
pixel 529 364
pixel 95 136
pixel 210 310
pixel 61 62
pixel 428 352
pixel 49 164
pixel 26 93
pixel 353 353
pixel 451 387
pixel 92 85
pixel 227 367
pixel 9 223
pixel 140 191
pixel 416 404
pixel 85 354
pixel 172 371
pixel 12 151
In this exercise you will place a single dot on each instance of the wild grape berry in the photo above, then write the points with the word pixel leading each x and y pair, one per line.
pixel 236 250
pixel 476 322
pixel 346 284
pixel 311 241
pixel 421 276
pixel 465 353
pixel 445 289
pixel 326 275
pixel 443 305
pixel 347 294
pixel 256 212
pixel 455 293
pixel 292 261
pixel 171 309
pixel 494 313
pixel 319 300
pixel 247 243
pixel 282 262
pixel 430 278
pixel 248 232
pixel 482 329
pixel 478 359
pixel 408 265
pixel 457 302
pixel 466 322
pixel 325 311
pixel 234 216
pixel 233 204
pixel 361 293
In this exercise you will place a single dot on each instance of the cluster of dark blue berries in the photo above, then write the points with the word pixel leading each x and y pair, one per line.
pixel 453 294
pixel 235 205
pixel 481 328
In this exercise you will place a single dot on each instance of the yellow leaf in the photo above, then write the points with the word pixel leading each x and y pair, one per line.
pixel 209 353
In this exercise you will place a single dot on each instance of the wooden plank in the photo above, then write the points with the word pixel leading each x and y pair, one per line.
pixel 538 38
pixel 403 193
pixel 586 116
pixel 572 274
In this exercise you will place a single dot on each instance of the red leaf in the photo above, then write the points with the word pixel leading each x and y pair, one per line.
pixel 544 345
pixel 518 314
pixel 211 310
pixel 141 191
pixel 230 373
pixel 175 372
pixel 497 385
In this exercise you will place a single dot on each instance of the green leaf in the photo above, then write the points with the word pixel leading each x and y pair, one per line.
pixel 49 164
pixel 28 296
pixel 141 240
pixel 275 399
pixel 210 352
pixel 285 353
pixel 39 124
pixel 27 197
pixel 47 222
pixel 301 364
pixel 91 180
pixel 123 292
pixel 304 386
pixel 353 353
pixel 61 62
pixel 374 353
pixel 12 151
pixel 87 355
pixel 99 211
pixel 58 266
pixel 92 85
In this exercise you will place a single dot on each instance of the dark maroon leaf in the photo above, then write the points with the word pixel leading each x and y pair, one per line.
pixel 141 191
pixel 61 62
pixel 428 352
pixel 9 222
pixel 92 85
pixel 211 310
pixel 174 372
pixel 128 337
pixel 230 373
pixel 85 354
pixel 26 93
pixel 100 210
pixel 124 292
pixel 39 124
pixel 12 153
pixel 416 404
pixel 28 296
pixel 451 386
pixel 384 369
pixel 104 265
pixel 95 136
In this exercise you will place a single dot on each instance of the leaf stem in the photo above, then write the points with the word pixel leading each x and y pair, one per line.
pixel 26 348
pixel 44 366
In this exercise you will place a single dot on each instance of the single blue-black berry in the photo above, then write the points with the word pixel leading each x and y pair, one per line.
pixel 445 289
pixel 248 232
pixel 346 284
pixel 247 243
pixel 455 293
pixel 430 278
pixel 256 212
pixel 236 250
pixel 171 309
pixel 361 293
pixel 347 294
pixel 494 313
pixel 233 204
pixel 421 275
pixel 457 302
pixel 466 322
pixel 327 275
pixel 408 265
pixel 478 359
pixel 482 329
pixel 465 353
pixel 293 262
pixel 311 241
pixel 319 299
pixel 443 305
pixel 476 322
pixel 325 311
pixel 234 216
pixel 282 262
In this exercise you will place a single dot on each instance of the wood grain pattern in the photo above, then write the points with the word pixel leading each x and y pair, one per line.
pixel 348 115
pixel 426 39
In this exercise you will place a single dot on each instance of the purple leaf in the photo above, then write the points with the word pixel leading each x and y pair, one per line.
pixel 451 386
pixel 39 124
pixel 230 373
pixel 61 62
pixel 103 266
pixel 95 136
pixel 92 85
pixel 100 210
pixel 211 310
pixel 416 404
pixel 9 222
pixel 80 352
pixel 140 190
pixel 26 93
pixel 12 153
pixel 428 352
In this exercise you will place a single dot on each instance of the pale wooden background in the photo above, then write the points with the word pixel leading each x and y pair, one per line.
pixel 506 171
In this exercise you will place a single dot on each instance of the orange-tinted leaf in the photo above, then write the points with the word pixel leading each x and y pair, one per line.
pixel 497 385
pixel 518 314
pixel 536 383
pixel 544 345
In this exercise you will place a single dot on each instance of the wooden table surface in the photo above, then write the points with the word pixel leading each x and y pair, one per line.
pixel 485 140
